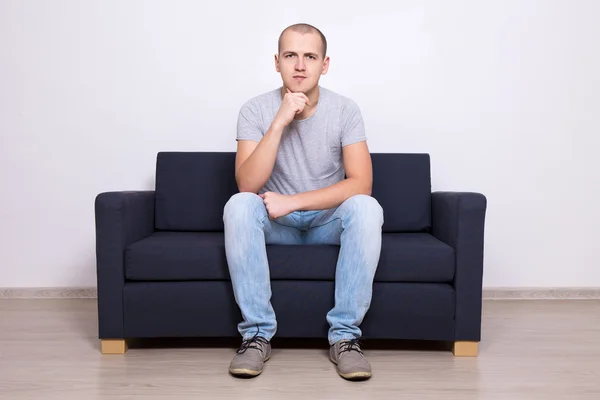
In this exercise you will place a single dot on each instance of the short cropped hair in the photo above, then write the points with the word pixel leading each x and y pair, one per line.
pixel 304 28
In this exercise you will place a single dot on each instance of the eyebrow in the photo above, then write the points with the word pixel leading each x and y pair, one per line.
pixel 293 52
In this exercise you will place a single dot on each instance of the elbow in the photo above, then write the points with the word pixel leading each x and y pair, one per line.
pixel 244 187
pixel 366 187
pixel 363 186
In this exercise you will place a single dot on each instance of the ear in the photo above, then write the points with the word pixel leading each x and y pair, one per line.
pixel 277 63
pixel 325 66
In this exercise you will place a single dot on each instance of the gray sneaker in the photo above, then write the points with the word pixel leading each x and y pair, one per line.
pixel 350 360
pixel 250 357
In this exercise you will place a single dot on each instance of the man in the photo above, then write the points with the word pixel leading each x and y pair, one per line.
pixel 304 173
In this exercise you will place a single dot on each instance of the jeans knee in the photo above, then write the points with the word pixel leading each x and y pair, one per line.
pixel 365 208
pixel 241 205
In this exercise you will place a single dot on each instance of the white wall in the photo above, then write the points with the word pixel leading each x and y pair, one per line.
pixel 504 95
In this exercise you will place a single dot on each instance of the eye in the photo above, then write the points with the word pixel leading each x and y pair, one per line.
pixel 312 57
pixel 289 55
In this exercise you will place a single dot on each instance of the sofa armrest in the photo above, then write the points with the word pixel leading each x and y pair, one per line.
pixel 121 219
pixel 458 219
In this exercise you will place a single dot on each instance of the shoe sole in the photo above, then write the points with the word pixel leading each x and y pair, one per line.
pixel 246 373
pixel 353 376
pixel 356 376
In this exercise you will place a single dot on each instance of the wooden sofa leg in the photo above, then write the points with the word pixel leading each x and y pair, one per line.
pixel 465 349
pixel 114 346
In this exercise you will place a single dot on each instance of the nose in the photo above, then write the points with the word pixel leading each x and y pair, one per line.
pixel 300 64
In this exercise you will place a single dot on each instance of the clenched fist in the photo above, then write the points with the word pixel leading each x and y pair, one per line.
pixel 278 205
pixel 292 104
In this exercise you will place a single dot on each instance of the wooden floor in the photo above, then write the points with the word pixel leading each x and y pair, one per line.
pixel 530 350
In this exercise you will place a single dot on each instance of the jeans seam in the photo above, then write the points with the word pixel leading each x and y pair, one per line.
pixel 330 221
pixel 287 226
pixel 262 220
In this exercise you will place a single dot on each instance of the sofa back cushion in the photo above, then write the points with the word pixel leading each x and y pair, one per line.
pixel 192 189
pixel 402 185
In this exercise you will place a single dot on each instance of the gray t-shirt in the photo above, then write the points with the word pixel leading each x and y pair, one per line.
pixel 310 152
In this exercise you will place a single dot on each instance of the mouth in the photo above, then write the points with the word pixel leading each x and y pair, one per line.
pixel 299 78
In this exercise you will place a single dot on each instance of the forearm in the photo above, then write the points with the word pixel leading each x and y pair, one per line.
pixel 331 196
pixel 256 170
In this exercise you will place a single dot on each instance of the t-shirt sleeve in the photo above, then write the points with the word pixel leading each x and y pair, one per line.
pixel 248 124
pixel 353 126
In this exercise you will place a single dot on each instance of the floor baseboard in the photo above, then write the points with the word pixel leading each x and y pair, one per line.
pixel 497 293
pixel 543 293
pixel 49 293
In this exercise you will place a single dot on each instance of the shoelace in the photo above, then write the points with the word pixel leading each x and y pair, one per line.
pixel 351 345
pixel 252 343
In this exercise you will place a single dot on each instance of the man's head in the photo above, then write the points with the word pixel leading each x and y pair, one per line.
pixel 302 57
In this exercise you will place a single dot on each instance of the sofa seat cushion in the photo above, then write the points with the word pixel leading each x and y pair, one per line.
pixel 180 256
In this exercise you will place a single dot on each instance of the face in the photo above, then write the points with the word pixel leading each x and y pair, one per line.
pixel 300 61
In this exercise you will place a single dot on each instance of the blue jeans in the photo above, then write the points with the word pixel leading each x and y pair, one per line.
pixel 355 225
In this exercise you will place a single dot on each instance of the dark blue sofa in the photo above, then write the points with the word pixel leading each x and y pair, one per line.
pixel 162 271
